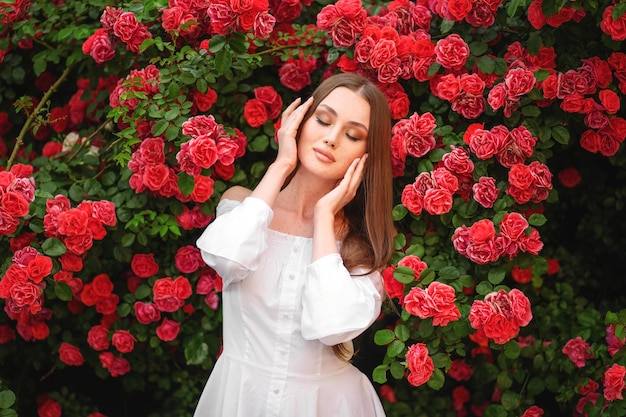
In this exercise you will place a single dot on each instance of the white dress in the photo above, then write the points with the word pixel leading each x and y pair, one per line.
pixel 282 315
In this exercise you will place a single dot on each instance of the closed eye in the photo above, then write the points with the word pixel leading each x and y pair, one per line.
pixel 320 121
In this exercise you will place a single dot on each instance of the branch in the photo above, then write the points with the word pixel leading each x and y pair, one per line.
pixel 31 118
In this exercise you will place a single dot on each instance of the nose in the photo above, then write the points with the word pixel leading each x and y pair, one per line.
pixel 330 142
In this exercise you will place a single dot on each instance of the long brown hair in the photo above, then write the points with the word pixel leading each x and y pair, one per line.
pixel 368 242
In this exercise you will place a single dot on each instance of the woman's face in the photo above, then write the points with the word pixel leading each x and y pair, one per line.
pixel 335 135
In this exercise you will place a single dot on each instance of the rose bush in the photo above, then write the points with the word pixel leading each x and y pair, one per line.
pixel 122 123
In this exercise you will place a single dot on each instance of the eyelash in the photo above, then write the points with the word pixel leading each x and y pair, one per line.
pixel 328 124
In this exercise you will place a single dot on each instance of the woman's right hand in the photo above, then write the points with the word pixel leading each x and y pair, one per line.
pixel 290 122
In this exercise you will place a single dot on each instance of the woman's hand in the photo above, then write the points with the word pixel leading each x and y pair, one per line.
pixel 345 190
pixel 290 122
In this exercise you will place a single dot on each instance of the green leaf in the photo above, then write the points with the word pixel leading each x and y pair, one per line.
pixel 173 91
pixel 404 274
pixel 437 379
pixel 496 275
pixel 486 64
pixel 123 309
pixel 399 212
pixel 143 291
pixel 397 370
pixel 495 410
pixel 484 288
pixel 7 399
pixel 561 135
pixel 159 127
pixel 383 337
pixel 8 413
pixel 402 332
pixel 510 400
pixel 395 348
pixel 449 272
pixel 537 219
pixel 217 43
pixel 62 291
pixel 186 183
pixel 512 350
pixel 196 350
pixel 53 247
pixel 76 193
pixel 379 375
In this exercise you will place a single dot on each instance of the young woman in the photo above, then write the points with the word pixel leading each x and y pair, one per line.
pixel 300 257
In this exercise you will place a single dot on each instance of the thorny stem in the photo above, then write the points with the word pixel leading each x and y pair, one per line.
pixel 33 115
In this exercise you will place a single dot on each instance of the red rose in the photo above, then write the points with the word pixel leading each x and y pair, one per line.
pixel 438 201
pixel 98 338
pixel 519 81
pixel 70 355
pixel 156 176
pixel 204 101
pixel 125 26
pixel 119 367
pixel 533 411
pixel 168 330
pixel 181 288
pixel 146 313
pixel 393 287
pixel 203 150
pixel 569 177
pixel 415 263
pixel 188 259
pixel 107 305
pixel 615 28
pixel 255 113
pixel 58 119
pixel 578 351
pixel 123 341
pixel 482 231
pixel 460 370
pixel 39 268
pixel 452 52
pixel 167 303
pixel 79 244
pixel 151 151
pixel 412 200
pixel 610 100
pixel 49 408
pixel 104 211
pixel 268 96
pixel 485 191
pixel 294 75
pixel 14 203
pixel 522 276
pixel 26 294
pixel 445 179
pixel 143 265
pixel 513 225
pixel 458 160
pixel 202 189
pixel 614 382
pixel 102 285
pixel 420 364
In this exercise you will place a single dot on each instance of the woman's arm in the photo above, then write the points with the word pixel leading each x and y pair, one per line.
pixel 324 238
pixel 287 158
pixel 338 306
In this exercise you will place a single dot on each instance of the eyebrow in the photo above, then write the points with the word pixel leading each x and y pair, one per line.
pixel 351 122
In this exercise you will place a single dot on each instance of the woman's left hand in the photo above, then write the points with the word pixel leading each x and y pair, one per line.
pixel 345 190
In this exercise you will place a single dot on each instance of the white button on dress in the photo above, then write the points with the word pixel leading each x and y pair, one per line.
pixel 282 315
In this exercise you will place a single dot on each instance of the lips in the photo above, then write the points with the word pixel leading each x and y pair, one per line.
pixel 324 155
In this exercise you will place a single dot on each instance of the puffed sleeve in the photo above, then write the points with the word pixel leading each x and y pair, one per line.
pixel 234 242
pixel 337 306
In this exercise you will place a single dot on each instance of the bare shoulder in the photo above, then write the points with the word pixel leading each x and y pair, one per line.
pixel 237 193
